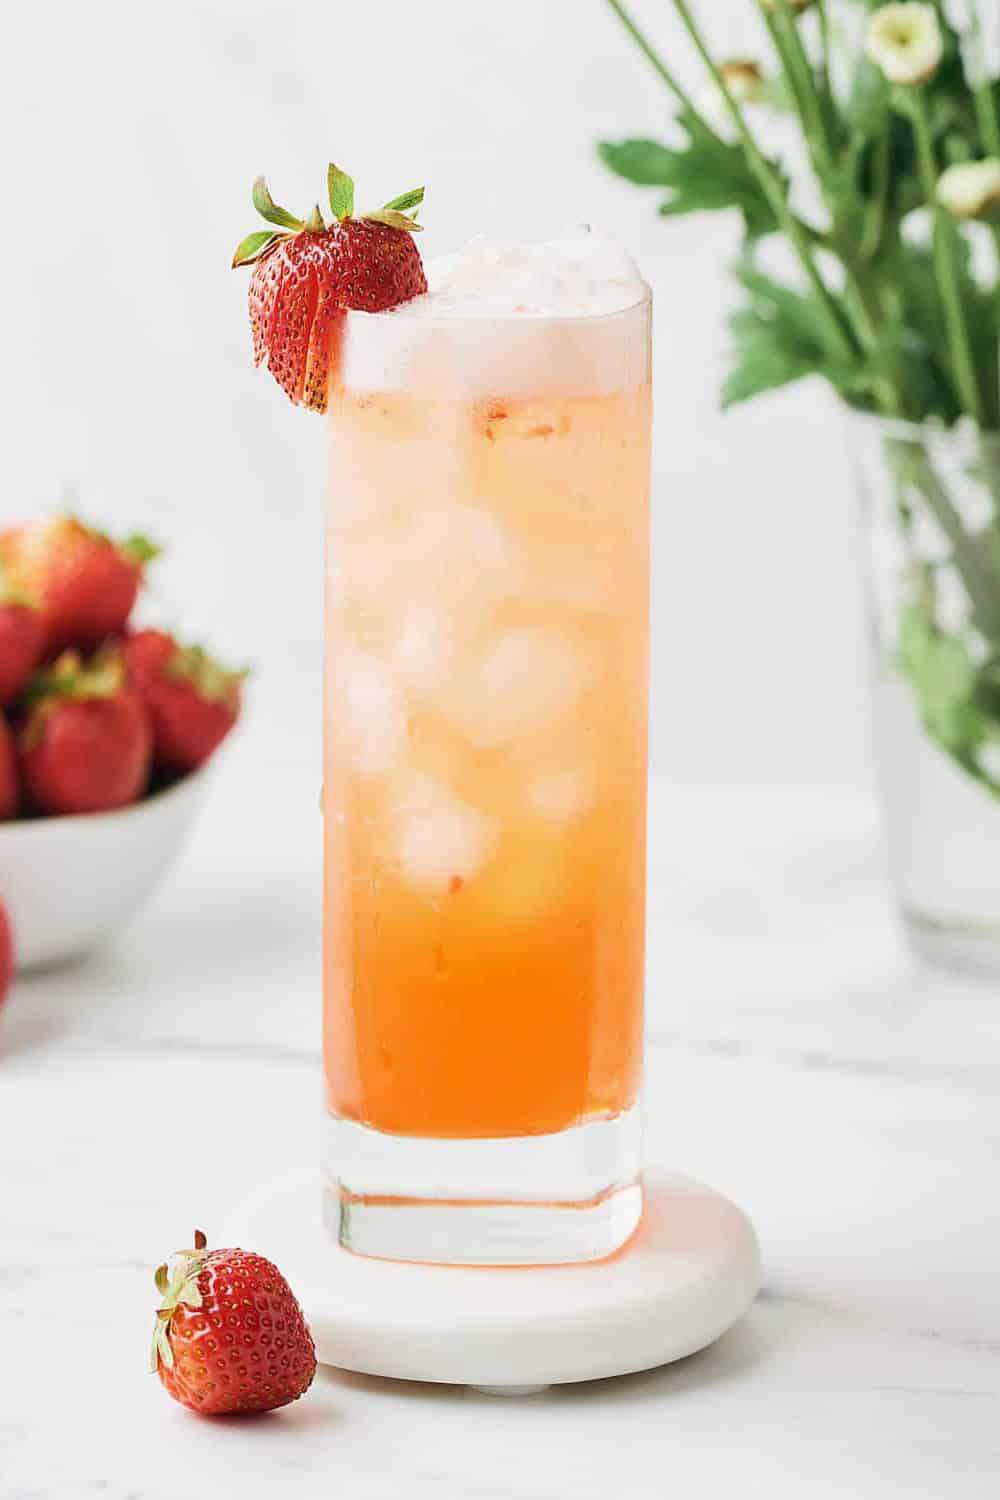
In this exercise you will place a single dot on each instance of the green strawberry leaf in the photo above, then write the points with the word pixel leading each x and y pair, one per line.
pixel 271 211
pixel 140 549
pixel 405 201
pixel 341 191
pixel 394 220
pixel 166 1353
pixel 254 246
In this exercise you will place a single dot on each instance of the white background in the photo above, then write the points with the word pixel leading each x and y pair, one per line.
pixel 133 133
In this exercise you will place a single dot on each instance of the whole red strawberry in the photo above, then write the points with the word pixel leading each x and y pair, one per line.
pixel 8 773
pixel 21 637
pixel 193 702
pixel 85 584
pixel 87 743
pixel 308 273
pixel 6 953
pixel 229 1334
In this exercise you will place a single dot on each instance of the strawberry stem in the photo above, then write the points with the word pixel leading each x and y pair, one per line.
pixel 271 211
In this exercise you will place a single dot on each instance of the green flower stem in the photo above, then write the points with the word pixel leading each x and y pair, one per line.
pixel 659 66
pixel 986 115
pixel 982 93
pixel 787 39
pixel 868 312
pixel 911 464
pixel 875 214
pixel 825 52
pixel 788 68
pixel 947 272
pixel 800 74
pixel 774 191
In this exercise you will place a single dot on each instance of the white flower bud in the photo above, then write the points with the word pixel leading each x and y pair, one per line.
pixel 905 42
pixel 971 189
pixel 744 79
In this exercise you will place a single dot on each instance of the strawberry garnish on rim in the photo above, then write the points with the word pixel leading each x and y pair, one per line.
pixel 307 274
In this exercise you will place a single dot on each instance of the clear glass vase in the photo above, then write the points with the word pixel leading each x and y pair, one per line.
pixel 931 519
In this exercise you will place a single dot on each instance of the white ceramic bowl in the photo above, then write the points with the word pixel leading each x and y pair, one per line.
pixel 68 883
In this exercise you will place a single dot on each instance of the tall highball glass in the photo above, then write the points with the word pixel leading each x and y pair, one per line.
pixel 485 784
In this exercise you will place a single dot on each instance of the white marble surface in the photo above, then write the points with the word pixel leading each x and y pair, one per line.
pixel 794 1061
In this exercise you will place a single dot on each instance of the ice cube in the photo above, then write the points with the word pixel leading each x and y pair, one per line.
pixel 559 796
pixel 439 839
pixel 529 680
pixel 371 708
pixel 364 567
pixel 465 549
pixel 424 648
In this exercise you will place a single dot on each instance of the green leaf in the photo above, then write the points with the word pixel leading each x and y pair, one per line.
pixel 164 1350
pixel 394 220
pixel 340 188
pixel 405 201
pixel 944 679
pixel 645 162
pixel 917 330
pixel 702 174
pixel 779 336
pixel 271 211
pixel 140 548
pixel 254 246
pixel 191 1294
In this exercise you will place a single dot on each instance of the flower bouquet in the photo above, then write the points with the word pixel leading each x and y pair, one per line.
pixel 892 232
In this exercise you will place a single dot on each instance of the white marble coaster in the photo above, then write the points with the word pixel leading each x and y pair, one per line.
pixel 689 1272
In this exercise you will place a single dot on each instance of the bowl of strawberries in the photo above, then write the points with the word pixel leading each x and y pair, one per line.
pixel 105 731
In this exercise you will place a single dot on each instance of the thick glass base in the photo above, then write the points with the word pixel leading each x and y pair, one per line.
pixel 528 1200
pixel 971 948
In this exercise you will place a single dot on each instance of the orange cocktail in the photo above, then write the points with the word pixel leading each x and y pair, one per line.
pixel 485 781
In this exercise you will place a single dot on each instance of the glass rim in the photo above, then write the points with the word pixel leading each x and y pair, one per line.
pixel 643 298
